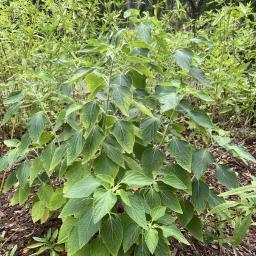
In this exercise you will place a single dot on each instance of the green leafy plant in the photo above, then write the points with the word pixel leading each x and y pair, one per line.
pixel 114 157
pixel 47 243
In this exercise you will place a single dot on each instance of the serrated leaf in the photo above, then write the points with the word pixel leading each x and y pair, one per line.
pixel 173 231
pixel 36 126
pixel 83 188
pixel 137 211
pixel 201 161
pixel 200 194
pixel 226 176
pixel 57 156
pixel 157 212
pixel 103 202
pixel 73 206
pixel 75 146
pixel 112 235
pixel 182 152
pixel 201 118
pixel 184 58
pixel 89 113
pixel 114 154
pixel 149 128
pixel 174 181
pixel 136 179
pixel 241 229
pixel 131 235
pixel 151 239
pixel 121 93
pixel 123 131
pixel 14 97
pixel 152 160
pixel 124 196
pixel 92 143
pixel 142 108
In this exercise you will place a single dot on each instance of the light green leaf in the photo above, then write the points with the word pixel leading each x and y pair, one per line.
pixel 182 152
pixel 112 235
pixel 157 212
pixel 169 101
pixel 57 156
pixel 241 229
pixel 36 168
pixel 83 188
pixel 103 202
pixel 136 179
pixel 22 172
pixel 173 231
pixel 124 196
pixel 174 181
pixel 124 133
pixel 14 97
pixel 36 126
pixel 151 239
pixel 94 81
pixel 73 206
pixel 201 160
pixel 142 108
pixel 227 176
pixel 198 74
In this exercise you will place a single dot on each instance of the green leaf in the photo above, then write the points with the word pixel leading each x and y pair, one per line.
pixel 36 126
pixel 112 235
pixel 240 230
pixel 12 143
pixel 114 154
pixel 173 231
pixel 241 153
pixel 22 172
pixel 227 176
pixel 169 101
pixel 151 239
pixel 131 12
pixel 200 117
pixel 198 74
pixel 73 206
pixel 142 108
pixel 37 211
pixel 149 128
pixel 142 250
pixel 170 200
pixel 14 97
pixel 131 235
pixel 201 161
pixel 183 58
pixel 200 195
pixel 89 113
pixel 173 181
pixel 124 133
pixel 94 82
pixel 83 188
pixel 137 210
pixel 136 179
pixel 103 202
pixel 152 160
pixel 138 80
pixel 86 228
pixel 124 196
pixel 57 156
pixel 162 248
pixel 47 156
pixel 182 152
pixel 79 74
pixel 195 228
pixel 92 143
pixel 75 146
pixel 36 168
pixel 121 93
pixel 188 212
pixel 157 212
pixel 10 181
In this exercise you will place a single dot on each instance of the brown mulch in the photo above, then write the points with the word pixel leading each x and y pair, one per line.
pixel 16 226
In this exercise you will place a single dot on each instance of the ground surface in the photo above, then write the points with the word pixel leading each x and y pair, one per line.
pixel 17 227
